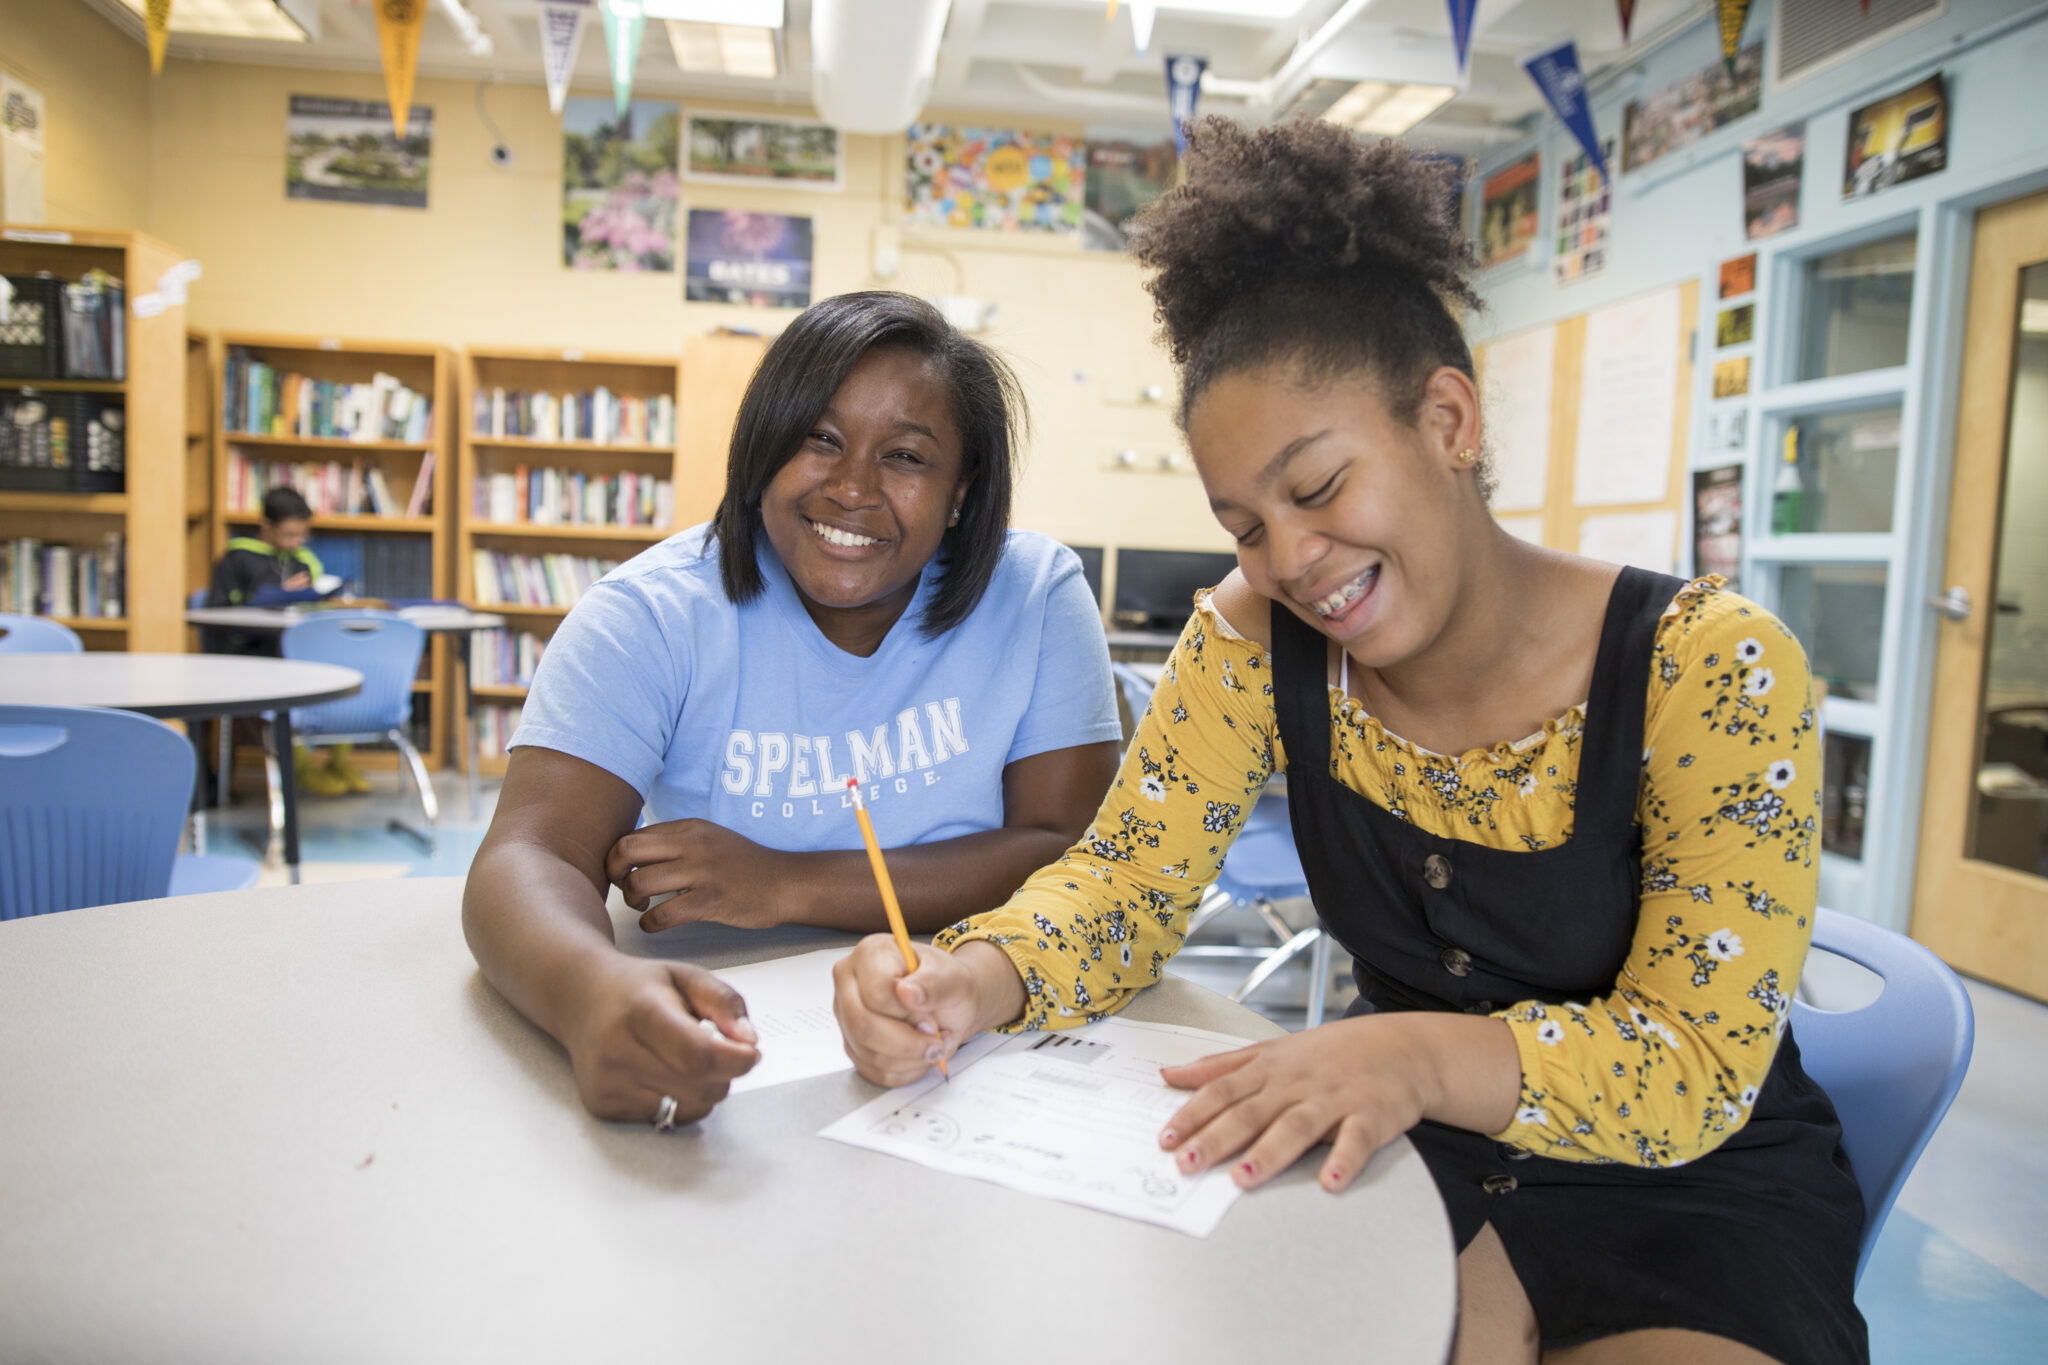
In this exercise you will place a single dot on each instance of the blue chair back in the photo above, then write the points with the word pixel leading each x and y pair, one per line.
pixel 380 646
pixel 1135 688
pixel 91 807
pixel 1891 1067
pixel 1263 862
pixel 196 598
pixel 37 635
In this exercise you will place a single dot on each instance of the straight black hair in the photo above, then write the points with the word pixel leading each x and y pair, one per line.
pixel 795 384
pixel 285 504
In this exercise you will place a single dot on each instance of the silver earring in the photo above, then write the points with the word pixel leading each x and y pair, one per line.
pixel 954 520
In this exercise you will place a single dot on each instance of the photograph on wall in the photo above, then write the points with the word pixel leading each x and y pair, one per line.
pixel 1898 138
pixel 1507 211
pixel 1583 213
pixel 1735 326
pixel 995 179
pixel 754 149
pixel 1738 276
pixel 344 151
pixel 619 184
pixel 1772 166
pixel 759 259
pixel 1684 112
pixel 1717 523
pixel 1124 175
pixel 1727 430
pixel 1731 377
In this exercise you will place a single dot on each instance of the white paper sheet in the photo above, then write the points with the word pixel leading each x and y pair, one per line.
pixel 1627 402
pixel 1644 539
pixel 790 1001
pixel 1518 394
pixel 1073 1116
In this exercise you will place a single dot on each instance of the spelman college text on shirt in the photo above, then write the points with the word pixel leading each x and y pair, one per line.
pixel 750 717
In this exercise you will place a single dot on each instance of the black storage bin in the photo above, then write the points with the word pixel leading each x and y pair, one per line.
pixel 62 442
pixel 30 339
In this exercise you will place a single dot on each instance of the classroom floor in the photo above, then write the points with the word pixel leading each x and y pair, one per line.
pixel 1960 1274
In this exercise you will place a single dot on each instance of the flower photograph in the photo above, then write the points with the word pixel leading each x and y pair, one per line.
pixel 619 185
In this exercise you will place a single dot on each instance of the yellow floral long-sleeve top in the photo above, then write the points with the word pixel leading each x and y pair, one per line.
pixel 1657 1072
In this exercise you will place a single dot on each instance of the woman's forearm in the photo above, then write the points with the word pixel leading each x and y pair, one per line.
pixel 537 927
pixel 936 884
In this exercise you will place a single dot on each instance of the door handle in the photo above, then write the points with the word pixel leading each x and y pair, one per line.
pixel 1954 604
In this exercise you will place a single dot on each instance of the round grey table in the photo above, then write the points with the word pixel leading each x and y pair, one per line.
pixel 185 687
pixel 296 1124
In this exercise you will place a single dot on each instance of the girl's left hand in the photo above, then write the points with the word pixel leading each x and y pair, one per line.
pixel 1353 1082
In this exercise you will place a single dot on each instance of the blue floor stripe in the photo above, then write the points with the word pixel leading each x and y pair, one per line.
pixel 1929 1299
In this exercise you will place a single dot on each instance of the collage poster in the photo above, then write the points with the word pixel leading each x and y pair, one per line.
pixel 1899 138
pixel 1717 524
pixel 1684 112
pixel 1771 169
pixel 1584 208
pixel 759 259
pixel 995 179
pixel 1507 210
pixel 1123 176
pixel 619 184
pixel 344 151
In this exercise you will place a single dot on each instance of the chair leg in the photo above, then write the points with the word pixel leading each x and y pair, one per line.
pixel 1319 980
pixel 1281 930
pixel 224 774
pixel 429 804
pixel 1281 956
pixel 1213 903
pixel 273 776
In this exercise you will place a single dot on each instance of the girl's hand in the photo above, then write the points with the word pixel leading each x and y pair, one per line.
pixel 639 1033
pixel 1355 1082
pixel 897 1024
pixel 716 875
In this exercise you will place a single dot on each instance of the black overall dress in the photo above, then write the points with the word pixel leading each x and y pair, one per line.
pixel 1757 1240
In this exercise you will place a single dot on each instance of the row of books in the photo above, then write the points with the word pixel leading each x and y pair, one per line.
pixel 495 726
pixel 380 564
pixel 572 497
pixel 330 488
pixel 601 416
pixel 264 401
pixel 515 580
pixel 95 328
pixel 38 578
pixel 505 658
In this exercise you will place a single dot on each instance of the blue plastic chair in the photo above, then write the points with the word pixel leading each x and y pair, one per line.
pixel 386 651
pixel 195 874
pixel 1893 1066
pixel 37 635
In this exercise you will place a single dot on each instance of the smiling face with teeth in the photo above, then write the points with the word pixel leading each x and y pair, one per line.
pixel 861 508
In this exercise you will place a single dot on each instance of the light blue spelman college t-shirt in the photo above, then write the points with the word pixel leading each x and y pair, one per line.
pixel 748 716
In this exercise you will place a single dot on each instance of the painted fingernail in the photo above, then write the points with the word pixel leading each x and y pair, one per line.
pixel 1247 1169
pixel 1168 1137
pixel 933 1053
pixel 1191 1158
pixel 927 1026
pixel 1333 1177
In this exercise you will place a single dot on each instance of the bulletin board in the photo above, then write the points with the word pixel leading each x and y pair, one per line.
pixel 1597 491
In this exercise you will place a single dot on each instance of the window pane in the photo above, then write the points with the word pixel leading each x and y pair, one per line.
pixel 1844 790
pixel 1857 306
pixel 1837 611
pixel 1843 478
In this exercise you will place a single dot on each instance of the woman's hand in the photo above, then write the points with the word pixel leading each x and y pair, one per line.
pixel 638 1033
pixel 897 1024
pixel 716 875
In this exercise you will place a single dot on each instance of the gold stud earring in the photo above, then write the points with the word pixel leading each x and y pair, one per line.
pixel 1467 455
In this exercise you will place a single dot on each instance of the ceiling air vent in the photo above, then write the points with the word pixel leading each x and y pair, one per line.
pixel 1813 35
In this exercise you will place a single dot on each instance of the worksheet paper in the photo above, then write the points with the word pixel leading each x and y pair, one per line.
pixel 1628 401
pixel 1073 1116
pixel 1518 392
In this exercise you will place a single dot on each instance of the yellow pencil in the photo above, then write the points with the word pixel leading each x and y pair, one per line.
pixel 889 903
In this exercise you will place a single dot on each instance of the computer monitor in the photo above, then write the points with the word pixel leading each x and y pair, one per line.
pixel 1155 589
pixel 1091 569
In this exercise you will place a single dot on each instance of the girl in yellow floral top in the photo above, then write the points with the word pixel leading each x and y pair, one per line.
pixel 1564 820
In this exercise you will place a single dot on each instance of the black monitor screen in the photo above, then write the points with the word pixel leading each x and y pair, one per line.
pixel 1091 569
pixel 1160 585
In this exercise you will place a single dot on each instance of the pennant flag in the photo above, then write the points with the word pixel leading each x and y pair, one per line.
pixel 398 31
pixel 1461 28
pixel 157 17
pixel 1142 14
pixel 1733 14
pixel 561 38
pixel 624 23
pixel 1628 16
pixel 1183 88
pixel 1557 75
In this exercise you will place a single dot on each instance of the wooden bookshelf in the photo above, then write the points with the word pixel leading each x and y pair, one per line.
pixel 424 368
pixel 149 514
pixel 199 424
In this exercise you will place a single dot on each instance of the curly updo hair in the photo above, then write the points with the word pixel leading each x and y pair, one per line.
pixel 1301 243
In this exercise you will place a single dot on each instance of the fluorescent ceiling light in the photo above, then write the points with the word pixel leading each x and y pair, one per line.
pixel 1387 109
pixel 723 13
pixel 232 19
pixel 724 50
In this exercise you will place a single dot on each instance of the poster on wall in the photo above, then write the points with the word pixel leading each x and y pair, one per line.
pixel 1507 210
pixel 1124 175
pixel 619 184
pixel 1727 429
pixel 754 149
pixel 1717 524
pixel 1583 213
pixel 759 259
pixel 1772 166
pixel 1738 276
pixel 1898 138
pixel 345 152
pixel 1519 379
pixel 1731 377
pixel 1629 369
pixel 1735 326
pixel 995 179
pixel 1685 111
pixel 21 152
pixel 1648 540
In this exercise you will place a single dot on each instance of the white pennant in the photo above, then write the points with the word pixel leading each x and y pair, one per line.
pixel 1142 14
pixel 561 38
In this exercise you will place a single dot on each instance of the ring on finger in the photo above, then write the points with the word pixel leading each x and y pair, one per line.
pixel 665 1114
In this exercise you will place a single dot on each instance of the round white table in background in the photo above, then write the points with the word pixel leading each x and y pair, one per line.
pixel 186 687
pixel 296 1124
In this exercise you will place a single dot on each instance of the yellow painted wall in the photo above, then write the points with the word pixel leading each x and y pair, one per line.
pixel 94 81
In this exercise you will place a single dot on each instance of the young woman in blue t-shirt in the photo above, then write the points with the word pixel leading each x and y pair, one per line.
pixel 857 609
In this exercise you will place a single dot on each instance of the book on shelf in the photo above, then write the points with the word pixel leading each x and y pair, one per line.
pixel 516 580
pixel 505 658
pixel 573 497
pixel 261 400
pixel 330 488
pixel 598 416
pixel 495 728
pixel 394 567
pixel 42 578
pixel 421 503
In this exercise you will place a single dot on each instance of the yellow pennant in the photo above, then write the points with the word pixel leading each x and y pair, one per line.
pixel 157 17
pixel 398 30
pixel 1731 15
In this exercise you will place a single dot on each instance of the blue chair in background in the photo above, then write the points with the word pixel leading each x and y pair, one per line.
pixel 1893 1066
pixel 37 635
pixel 386 651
